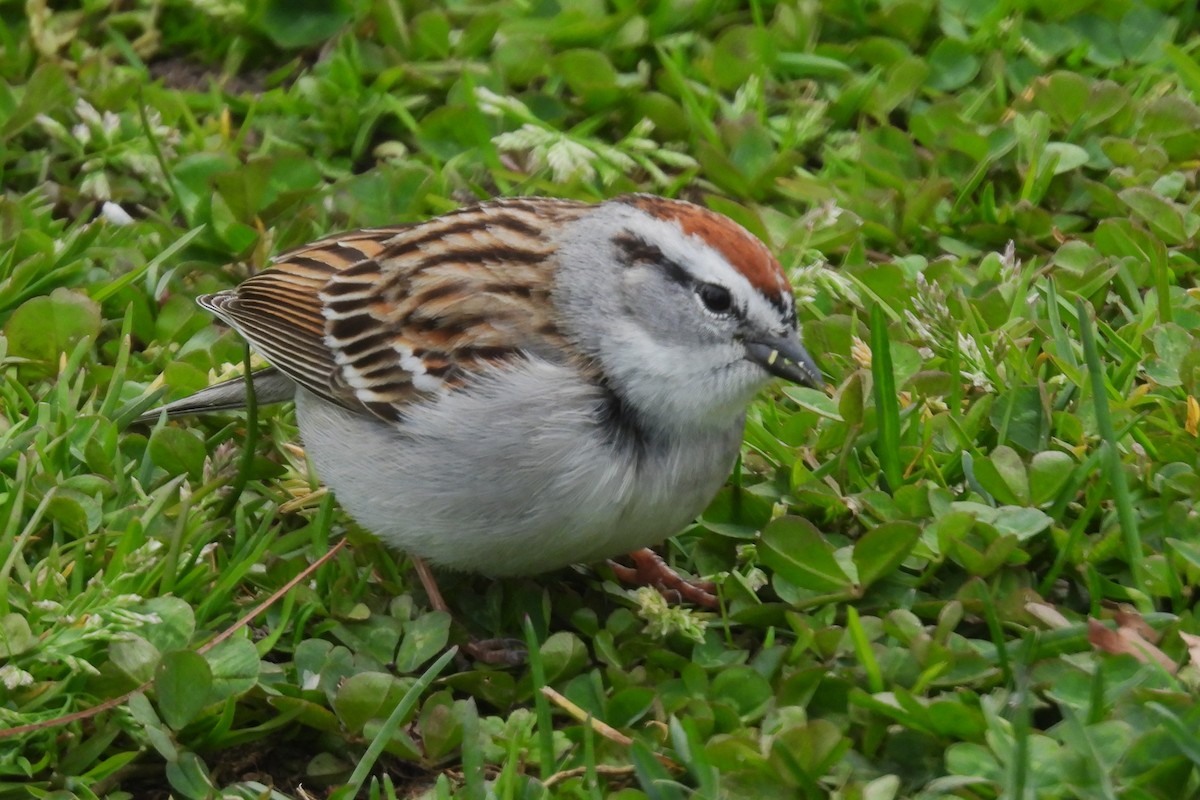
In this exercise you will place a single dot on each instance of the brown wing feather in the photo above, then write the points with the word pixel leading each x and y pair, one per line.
pixel 278 312
pixel 373 319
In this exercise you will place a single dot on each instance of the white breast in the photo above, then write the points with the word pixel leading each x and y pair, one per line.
pixel 510 478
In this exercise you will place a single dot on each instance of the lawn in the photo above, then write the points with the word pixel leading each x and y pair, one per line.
pixel 968 569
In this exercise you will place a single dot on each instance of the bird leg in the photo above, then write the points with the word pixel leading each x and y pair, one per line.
pixel 430 583
pixel 499 652
pixel 650 570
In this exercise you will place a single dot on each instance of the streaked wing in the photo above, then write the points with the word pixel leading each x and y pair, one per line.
pixel 279 310
pixel 373 319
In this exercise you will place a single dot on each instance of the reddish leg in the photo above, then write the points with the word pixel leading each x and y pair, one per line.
pixel 650 570
pixel 502 652
pixel 430 583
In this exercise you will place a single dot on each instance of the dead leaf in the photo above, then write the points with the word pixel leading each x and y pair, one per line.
pixel 1128 641
pixel 1048 615
pixel 1193 647
pixel 1127 617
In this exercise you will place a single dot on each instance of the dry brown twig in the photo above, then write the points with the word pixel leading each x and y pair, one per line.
pixel 607 731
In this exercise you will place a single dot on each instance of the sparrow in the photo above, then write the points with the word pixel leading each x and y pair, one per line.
pixel 522 384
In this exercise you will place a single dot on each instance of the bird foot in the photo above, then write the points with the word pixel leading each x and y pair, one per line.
pixel 497 652
pixel 650 570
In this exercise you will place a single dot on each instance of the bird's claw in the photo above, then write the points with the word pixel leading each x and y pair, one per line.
pixel 650 570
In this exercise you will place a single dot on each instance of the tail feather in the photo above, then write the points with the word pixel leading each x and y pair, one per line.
pixel 270 386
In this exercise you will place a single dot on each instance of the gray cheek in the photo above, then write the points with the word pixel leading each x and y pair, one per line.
pixel 670 313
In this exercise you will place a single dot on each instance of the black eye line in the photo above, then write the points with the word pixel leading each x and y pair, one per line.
pixel 781 304
pixel 636 250
pixel 787 313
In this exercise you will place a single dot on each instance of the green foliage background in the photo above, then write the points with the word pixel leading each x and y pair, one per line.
pixel 989 211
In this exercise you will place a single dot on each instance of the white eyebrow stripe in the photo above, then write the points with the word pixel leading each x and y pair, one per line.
pixel 704 263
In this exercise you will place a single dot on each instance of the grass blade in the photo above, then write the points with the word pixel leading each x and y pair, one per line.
pixel 545 725
pixel 1111 454
pixel 406 704
pixel 887 403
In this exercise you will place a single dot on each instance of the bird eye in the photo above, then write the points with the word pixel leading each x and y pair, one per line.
pixel 716 299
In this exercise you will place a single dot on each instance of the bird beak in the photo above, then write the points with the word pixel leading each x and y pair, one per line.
pixel 785 357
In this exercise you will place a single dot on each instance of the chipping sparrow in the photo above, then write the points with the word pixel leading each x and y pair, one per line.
pixel 523 384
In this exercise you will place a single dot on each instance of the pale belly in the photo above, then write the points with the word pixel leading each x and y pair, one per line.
pixel 512 480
